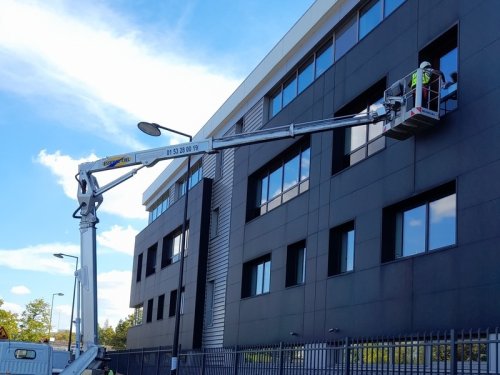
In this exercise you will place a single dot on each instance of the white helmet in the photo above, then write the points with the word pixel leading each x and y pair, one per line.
pixel 425 64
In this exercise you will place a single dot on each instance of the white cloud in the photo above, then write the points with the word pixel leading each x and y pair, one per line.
pixel 12 307
pixel 20 290
pixel 97 67
pixel 40 257
pixel 113 296
pixel 124 200
pixel 119 239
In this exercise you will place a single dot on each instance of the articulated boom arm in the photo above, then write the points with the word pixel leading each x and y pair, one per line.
pixel 90 194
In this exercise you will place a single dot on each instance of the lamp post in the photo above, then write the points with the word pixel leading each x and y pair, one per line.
pixel 62 255
pixel 52 308
pixel 154 130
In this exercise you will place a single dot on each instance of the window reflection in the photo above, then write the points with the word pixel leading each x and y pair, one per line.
pixel 414 231
pixel 391 5
pixel 283 183
pixel 290 91
pixel 324 59
pixel 442 226
pixel 306 76
pixel 345 38
pixel 369 17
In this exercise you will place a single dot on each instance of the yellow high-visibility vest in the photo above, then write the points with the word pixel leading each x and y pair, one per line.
pixel 426 78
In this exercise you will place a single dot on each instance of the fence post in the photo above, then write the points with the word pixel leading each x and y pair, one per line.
pixel 453 352
pixel 347 368
pixel 203 361
pixel 158 354
pixel 236 357
pixel 280 359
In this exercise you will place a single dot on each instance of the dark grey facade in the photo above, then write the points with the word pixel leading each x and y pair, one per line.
pixel 163 278
pixel 455 286
pixel 374 237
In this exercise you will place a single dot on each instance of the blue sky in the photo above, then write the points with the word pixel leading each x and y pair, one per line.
pixel 75 78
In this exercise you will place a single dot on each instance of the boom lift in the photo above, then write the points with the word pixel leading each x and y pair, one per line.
pixel 405 112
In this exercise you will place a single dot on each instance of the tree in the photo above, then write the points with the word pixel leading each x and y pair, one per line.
pixel 35 321
pixel 8 321
pixel 106 334
pixel 120 338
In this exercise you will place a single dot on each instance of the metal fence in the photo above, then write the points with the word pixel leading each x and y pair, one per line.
pixel 441 353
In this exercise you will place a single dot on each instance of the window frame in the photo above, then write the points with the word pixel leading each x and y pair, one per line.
pixel 151 260
pixel 296 260
pixel 161 307
pixel 339 247
pixel 260 200
pixel 254 285
pixel 149 313
pixel 393 225
pixel 168 255
pixel 138 275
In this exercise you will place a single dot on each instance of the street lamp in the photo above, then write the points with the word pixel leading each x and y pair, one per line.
pixel 154 130
pixel 52 308
pixel 62 255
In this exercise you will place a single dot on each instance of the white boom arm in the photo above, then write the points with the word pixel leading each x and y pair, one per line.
pixel 90 195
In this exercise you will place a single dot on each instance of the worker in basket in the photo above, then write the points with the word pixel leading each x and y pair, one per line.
pixel 430 85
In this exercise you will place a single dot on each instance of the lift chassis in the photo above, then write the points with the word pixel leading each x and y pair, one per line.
pixel 401 117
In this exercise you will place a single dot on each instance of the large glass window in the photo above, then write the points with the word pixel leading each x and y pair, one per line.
pixel 287 176
pixel 369 17
pixel 138 275
pixel 306 76
pixel 149 314
pixel 161 306
pixel 359 142
pixel 341 250
pixel 442 53
pixel 138 314
pixel 290 91
pixel 391 5
pixel 346 37
pixel 324 58
pixel 151 260
pixel 256 277
pixel 172 245
pixel 421 224
pixel 296 264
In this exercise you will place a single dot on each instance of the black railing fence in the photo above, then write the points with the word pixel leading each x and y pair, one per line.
pixel 441 353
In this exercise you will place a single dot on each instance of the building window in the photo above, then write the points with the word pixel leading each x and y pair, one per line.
pixel 346 37
pixel 324 58
pixel 256 277
pixel 282 179
pixel 354 144
pixel 149 317
pixel 443 55
pixel 160 207
pixel 195 176
pixel 341 249
pixel 209 304
pixel 391 5
pixel 173 303
pixel 296 264
pixel 161 305
pixel 172 245
pixel 369 17
pixel 138 275
pixel 320 59
pixel 305 76
pixel 289 90
pixel 214 223
pixel 138 314
pixel 151 260
pixel 421 224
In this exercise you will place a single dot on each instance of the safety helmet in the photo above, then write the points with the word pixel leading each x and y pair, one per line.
pixel 425 64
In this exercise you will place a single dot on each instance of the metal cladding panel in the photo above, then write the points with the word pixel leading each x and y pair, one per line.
pixel 254 119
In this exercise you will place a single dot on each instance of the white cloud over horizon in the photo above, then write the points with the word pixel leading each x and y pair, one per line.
pixel 107 69
pixel 20 290
pixel 124 200
pixel 114 296
pixel 119 239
